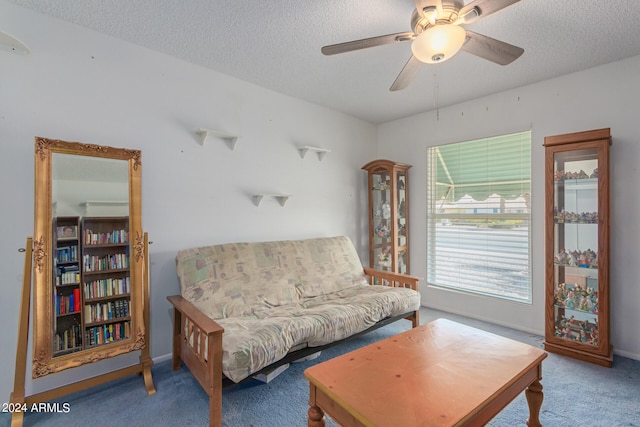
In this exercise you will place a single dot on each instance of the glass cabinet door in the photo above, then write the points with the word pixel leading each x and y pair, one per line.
pixel 577 246
pixel 401 219
pixel 381 197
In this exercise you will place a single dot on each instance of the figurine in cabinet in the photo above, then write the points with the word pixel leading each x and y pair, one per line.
pixel 386 210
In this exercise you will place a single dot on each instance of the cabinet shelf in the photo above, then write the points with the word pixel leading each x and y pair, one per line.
pixel 106 245
pixel 575 223
pixel 67 285
pixel 66 239
pixel 107 322
pixel 577 266
pixel 577 181
pixel 577 310
pixel 111 271
pixel 107 298
pixel 229 138
pixel 66 263
pixel 71 313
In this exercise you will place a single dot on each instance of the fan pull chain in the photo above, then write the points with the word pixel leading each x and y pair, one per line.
pixel 435 91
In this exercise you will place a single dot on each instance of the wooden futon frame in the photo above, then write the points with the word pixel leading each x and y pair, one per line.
pixel 197 341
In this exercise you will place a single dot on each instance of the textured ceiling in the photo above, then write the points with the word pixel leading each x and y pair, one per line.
pixel 276 44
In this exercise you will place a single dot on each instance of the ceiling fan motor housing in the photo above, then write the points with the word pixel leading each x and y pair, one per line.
pixel 450 9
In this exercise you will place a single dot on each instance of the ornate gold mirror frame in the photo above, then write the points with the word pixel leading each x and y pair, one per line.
pixel 42 253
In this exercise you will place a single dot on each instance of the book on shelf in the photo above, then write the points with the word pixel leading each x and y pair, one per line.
pixel 67 254
pixel 104 334
pixel 107 287
pixel 61 304
pixel 76 299
pixel 67 274
pixel 66 304
pixel 93 263
pixel 68 339
pixel 103 311
pixel 114 237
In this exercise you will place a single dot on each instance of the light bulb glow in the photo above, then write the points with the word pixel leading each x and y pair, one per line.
pixel 438 43
pixel 431 17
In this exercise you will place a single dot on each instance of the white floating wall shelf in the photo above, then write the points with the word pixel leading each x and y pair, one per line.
pixel 281 198
pixel 92 204
pixel 230 139
pixel 319 151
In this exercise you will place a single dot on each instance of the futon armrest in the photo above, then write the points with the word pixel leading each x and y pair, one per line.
pixel 206 324
pixel 197 341
pixel 388 278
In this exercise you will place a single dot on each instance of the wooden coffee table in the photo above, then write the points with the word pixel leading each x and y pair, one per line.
pixel 439 374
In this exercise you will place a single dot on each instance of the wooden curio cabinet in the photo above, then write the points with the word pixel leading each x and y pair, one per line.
pixel 388 215
pixel 577 246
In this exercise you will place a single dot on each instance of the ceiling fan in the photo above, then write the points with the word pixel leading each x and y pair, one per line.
pixel 438 35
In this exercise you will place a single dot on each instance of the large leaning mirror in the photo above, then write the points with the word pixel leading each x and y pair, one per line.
pixel 88 254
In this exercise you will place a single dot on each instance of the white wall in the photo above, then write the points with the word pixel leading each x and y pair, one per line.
pixel 78 85
pixel 81 86
pixel 601 97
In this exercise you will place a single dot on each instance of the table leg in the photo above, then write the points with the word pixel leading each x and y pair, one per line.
pixel 534 399
pixel 316 417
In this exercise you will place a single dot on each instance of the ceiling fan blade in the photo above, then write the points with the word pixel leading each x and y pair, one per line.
pixel 421 5
pixel 406 76
pixel 366 43
pixel 491 49
pixel 480 8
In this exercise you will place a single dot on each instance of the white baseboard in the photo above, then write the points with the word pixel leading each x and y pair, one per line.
pixel 627 354
pixel 485 319
pixel 162 358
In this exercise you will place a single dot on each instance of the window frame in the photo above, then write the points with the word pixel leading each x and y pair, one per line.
pixel 435 216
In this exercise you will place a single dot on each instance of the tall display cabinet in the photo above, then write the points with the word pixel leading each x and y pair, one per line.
pixel 388 215
pixel 577 246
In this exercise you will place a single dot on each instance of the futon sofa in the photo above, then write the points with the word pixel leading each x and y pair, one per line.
pixel 246 308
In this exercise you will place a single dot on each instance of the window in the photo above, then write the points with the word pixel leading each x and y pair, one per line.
pixel 478 216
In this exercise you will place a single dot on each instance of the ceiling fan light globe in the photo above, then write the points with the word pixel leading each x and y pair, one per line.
pixel 438 43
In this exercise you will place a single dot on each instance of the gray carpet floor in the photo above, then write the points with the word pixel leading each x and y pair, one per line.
pixel 576 394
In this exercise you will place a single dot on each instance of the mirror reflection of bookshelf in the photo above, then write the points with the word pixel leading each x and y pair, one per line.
pixel 106 280
pixel 66 287
pixel 92 283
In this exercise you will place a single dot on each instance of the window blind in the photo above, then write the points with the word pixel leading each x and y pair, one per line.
pixel 478 216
